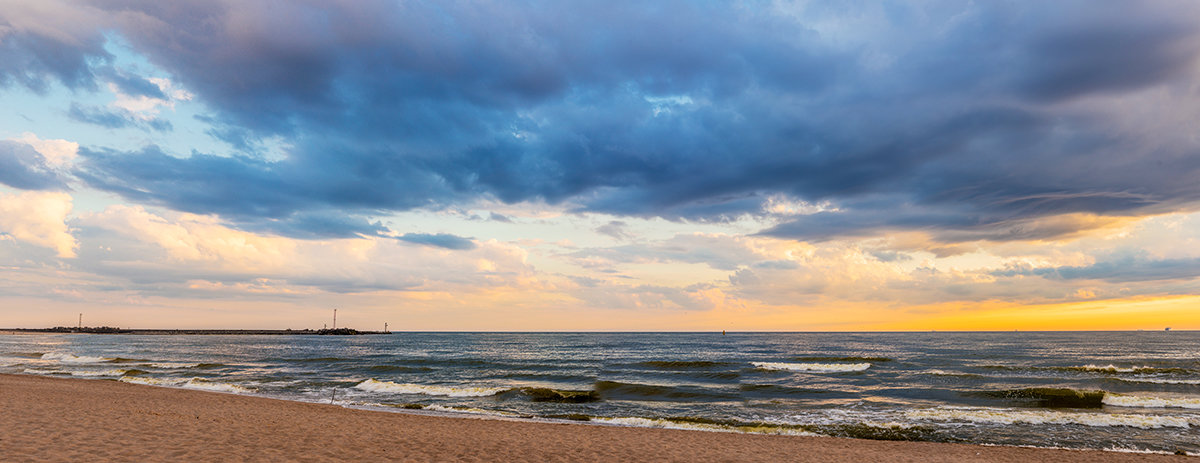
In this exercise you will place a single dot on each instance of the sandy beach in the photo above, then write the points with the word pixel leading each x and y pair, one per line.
pixel 54 419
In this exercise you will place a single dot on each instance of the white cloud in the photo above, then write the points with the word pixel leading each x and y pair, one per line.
pixel 39 218
pixel 146 107
pixel 206 254
pixel 58 153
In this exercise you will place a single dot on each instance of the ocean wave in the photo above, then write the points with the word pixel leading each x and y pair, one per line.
pixel 543 394
pixel 1161 380
pixel 206 385
pixel 1093 368
pixel 1121 400
pixel 150 381
pixel 1050 397
pixel 373 385
pixel 28 355
pixel 861 430
pixel 84 373
pixel 812 367
pixel 774 389
pixel 38 371
pixel 843 359
pixel 702 426
pixel 101 373
pixel 395 368
pixel 682 364
pixel 126 360
pixel 616 389
pixel 12 361
pixel 1013 416
pixel 1133 369
pixel 189 383
pixel 72 358
pixel 469 410
pixel 959 374
pixel 173 365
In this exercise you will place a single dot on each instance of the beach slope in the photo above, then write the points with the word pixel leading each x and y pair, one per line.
pixel 55 419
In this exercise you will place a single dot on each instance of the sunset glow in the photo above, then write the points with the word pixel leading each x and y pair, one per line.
pixel 594 166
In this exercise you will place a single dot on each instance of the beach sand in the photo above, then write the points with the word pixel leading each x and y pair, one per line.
pixel 56 419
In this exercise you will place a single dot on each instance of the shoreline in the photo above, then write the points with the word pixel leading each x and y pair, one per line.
pixel 63 419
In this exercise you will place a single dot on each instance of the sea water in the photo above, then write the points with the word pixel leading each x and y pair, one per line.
pixel 1121 391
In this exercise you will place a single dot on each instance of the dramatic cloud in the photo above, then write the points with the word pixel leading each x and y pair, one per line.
pixel 762 161
pixel 965 117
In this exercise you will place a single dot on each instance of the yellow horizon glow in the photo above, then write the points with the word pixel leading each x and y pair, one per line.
pixel 1132 314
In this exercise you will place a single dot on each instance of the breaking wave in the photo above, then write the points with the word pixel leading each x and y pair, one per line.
pixel 188 383
pixel 1121 400
pixel 701 425
pixel 812 367
pixel 843 359
pixel 373 385
pixel 1092 368
pixel 982 415
pixel 1161 380
pixel 173 365
pixel 1049 397
pixel 72 358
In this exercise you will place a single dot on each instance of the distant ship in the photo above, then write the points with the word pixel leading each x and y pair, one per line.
pixel 1167 329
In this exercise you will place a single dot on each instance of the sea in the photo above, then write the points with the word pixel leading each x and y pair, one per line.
pixel 1115 391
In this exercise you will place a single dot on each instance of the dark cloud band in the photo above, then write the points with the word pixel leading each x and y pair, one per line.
pixel 968 119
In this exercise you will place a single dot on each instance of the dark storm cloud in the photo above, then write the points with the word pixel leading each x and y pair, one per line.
pixel 440 240
pixel 23 167
pixel 942 116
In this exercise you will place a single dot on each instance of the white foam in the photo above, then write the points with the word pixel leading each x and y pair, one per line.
pixel 813 367
pixel 1110 368
pixel 34 371
pixel 1161 380
pixel 470 410
pixel 668 424
pixel 202 384
pixel 72 358
pixel 1011 416
pixel 373 385
pixel 191 383
pixel 168 365
pixel 937 372
pixel 153 381
pixel 95 373
pixel 1120 400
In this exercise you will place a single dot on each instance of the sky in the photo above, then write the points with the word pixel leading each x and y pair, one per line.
pixel 577 165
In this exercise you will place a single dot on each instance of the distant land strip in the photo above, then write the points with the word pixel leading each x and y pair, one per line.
pixel 111 330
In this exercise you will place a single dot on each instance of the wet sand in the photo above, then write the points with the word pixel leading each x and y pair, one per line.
pixel 57 419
